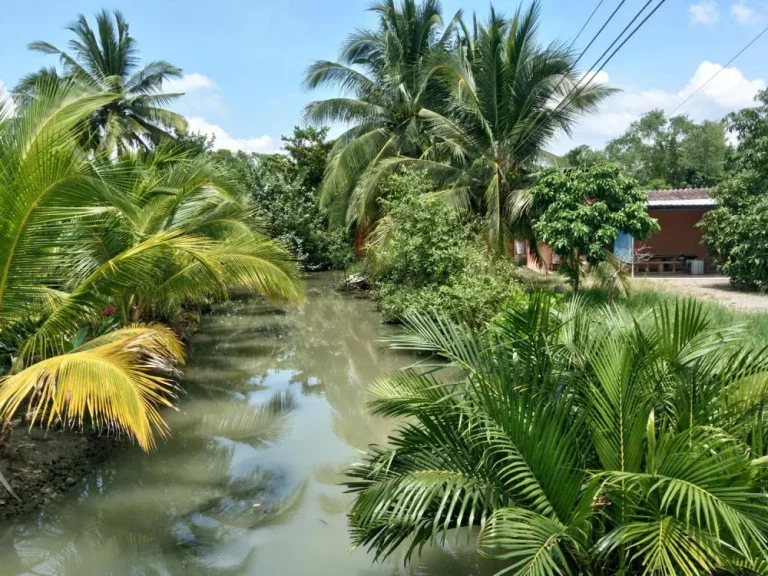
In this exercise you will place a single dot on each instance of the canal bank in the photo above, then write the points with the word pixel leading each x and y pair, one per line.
pixel 273 413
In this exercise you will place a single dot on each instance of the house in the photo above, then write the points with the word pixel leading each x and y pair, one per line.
pixel 674 246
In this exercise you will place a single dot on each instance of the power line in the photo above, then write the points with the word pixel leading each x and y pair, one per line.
pixel 739 53
pixel 595 37
pixel 596 72
pixel 576 91
pixel 528 133
pixel 589 20
pixel 597 34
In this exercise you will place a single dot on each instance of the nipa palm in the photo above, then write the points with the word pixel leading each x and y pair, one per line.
pixel 579 443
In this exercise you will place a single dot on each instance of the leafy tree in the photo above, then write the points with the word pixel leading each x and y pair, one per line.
pixel 428 259
pixel 191 143
pixel 284 190
pixel 584 156
pixel 736 233
pixel 499 120
pixel 674 151
pixel 579 440
pixel 84 236
pixel 106 61
pixel 308 149
pixel 579 213
pixel 383 72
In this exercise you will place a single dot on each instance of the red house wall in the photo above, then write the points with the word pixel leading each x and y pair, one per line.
pixel 543 264
pixel 678 234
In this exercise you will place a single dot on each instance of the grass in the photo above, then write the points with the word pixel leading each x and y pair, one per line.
pixel 645 296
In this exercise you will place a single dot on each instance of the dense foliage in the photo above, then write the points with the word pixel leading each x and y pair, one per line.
pixel 428 259
pixel 736 233
pixel 581 441
pixel 284 189
pixel 477 118
pixel 107 62
pixel 89 236
pixel 579 213
pixel 662 152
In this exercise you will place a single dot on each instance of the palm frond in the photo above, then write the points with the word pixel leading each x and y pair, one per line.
pixel 117 382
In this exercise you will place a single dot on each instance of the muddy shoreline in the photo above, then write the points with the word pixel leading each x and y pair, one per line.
pixel 42 465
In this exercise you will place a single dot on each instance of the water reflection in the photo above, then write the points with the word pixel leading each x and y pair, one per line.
pixel 249 482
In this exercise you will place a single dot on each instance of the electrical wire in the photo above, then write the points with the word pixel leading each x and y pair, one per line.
pixel 576 91
pixel 739 53
pixel 588 21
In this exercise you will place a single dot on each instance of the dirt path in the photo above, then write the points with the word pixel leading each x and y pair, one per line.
pixel 712 288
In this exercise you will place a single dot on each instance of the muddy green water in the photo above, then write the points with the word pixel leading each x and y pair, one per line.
pixel 274 411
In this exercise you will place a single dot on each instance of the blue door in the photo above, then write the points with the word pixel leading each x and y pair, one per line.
pixel 622 247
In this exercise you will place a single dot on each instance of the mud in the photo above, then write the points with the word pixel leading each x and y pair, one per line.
pixel 41 466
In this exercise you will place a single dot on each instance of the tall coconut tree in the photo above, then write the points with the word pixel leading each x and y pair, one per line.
pixel 106 60
pixel 83 233
pixel 509 97
pixel 382 73
pixel 579 442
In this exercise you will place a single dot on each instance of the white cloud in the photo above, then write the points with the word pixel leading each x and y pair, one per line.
pixel 705 12
pixel 744 14
pixel 5 99
pixel 222 139
pixel 730 90
pixel 201 100
pixel 200 96
pixel 727 92
pixel 188 83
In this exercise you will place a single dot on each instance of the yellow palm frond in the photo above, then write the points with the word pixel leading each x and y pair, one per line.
pixel 118 381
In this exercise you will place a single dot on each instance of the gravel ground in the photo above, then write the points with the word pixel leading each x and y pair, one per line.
pixel 713 288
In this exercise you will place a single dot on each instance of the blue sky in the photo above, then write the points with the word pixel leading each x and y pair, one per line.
pixel 244 59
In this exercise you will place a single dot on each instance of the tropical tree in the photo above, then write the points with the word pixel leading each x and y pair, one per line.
pixel 82 234
pixel 509 97
pixel 736 232
pixel 106 60
pixel 581 211
pixel 671 152
pixel 584 155
pixel 580 443
pixel 383 72
pixel 284 190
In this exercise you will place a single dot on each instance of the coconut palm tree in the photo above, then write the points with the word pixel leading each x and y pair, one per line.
pixel 83 233
pixel 383 74
pixel 106 60
pixel 509 96
pixel 580 443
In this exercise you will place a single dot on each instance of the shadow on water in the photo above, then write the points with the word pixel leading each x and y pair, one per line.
pixel 273 412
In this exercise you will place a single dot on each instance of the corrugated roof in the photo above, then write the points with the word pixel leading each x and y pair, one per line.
pixel 681 197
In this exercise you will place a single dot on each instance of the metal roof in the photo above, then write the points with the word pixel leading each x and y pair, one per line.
pixel 681 198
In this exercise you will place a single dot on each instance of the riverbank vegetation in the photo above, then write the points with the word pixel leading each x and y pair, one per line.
pixel 580 439
pixel 101 242
pixel 581 431
pixel 427 258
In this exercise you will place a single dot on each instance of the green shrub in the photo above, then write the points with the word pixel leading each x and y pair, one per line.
pixel 288 205
pixel 428 260
pixel 580 212
pixel 736 233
